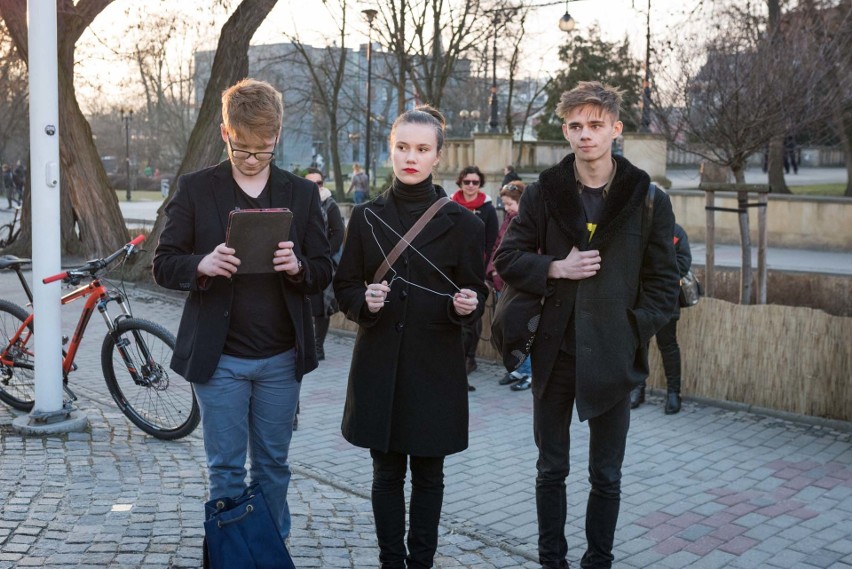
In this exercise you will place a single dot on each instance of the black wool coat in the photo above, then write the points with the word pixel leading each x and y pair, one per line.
pixel 617 311
pixel 196 222
pixel 407 388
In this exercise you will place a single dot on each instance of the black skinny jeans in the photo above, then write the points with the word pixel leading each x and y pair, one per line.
pixel 608 438
pixel 670 352
pixel 427 494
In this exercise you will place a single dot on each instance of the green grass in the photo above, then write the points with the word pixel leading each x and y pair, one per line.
pixel 140 196
pixel 835 190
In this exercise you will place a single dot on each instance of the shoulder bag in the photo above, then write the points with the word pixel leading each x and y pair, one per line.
pixel 690 290
pixel 240 533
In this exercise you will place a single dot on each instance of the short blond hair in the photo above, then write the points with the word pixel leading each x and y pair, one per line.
pixel 594 93
pixel 252 110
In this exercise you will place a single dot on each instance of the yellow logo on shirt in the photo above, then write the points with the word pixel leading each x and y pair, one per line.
pixel 591 228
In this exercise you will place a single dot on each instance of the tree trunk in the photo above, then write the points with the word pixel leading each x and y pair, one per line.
pixel 776 166
pixel 846 140
pixel 745 236
pixel 91 221
pixel 230 64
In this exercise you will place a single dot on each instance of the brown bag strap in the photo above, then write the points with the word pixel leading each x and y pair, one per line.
pixel 409 236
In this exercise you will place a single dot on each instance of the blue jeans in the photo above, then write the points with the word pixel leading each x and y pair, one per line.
pixel 248 406
pixel 525 368
pixel 360 197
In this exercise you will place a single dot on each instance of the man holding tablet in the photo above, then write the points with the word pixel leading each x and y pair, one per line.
pixel 245 340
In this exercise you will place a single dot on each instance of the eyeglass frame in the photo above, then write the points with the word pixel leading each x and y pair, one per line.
pixel 471 182
pixel 255 155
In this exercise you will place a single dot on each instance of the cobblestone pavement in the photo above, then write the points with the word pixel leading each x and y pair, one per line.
pixel 706 488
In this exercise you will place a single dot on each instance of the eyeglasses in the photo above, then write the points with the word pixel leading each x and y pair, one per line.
pixel 470 182
pixel 245 154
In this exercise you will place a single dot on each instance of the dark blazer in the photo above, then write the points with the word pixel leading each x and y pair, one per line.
pixel 615 312
pixel 197 219
pixel 407 387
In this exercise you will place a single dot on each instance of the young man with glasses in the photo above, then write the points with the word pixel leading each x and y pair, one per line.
pixel 470 182
pixel 245 340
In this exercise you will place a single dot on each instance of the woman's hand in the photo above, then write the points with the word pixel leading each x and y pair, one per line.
pixel 465 302
pixel 376 294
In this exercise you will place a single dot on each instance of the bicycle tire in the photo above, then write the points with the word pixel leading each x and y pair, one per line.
pixel 158 401
pixel 17 382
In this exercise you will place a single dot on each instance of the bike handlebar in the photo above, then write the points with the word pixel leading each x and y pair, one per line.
pixel 92 267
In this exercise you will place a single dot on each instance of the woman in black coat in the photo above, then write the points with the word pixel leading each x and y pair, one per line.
pixel 407 392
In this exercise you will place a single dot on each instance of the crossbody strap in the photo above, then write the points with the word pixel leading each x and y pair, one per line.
pixel 408 238
pixel 648 214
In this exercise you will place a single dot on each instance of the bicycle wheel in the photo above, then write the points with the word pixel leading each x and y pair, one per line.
pixel 135 363
pixel 17 372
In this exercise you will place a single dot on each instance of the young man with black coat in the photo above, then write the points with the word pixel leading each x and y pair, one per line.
pixel 606 292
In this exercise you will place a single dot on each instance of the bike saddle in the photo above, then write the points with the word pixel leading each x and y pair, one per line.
pixel 13 262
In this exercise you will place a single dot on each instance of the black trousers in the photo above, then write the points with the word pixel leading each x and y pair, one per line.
pixel 670 352
pixel 321 324
pixel 427 495
pixel 470 338
pixel 608 438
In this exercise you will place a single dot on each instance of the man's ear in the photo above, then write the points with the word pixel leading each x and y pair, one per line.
pixel 617 128
pixel 224 132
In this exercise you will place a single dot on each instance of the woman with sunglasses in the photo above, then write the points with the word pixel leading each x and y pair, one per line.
pixel 470 195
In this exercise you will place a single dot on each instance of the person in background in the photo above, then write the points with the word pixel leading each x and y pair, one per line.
pixel 510 195
pixel 407 399
pixel 8 185
pixel 667 336
pixel 245 341
pixel 360 184
pixel 324 304
pixel 509 176
pixel 470 182
pixel 19 179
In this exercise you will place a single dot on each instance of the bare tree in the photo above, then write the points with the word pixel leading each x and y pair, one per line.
pixel 91 221
pixel 428 38
pixel 13 99
pixel 230 64
pixel 326 69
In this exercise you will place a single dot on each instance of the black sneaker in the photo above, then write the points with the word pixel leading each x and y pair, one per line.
pixel 525 383
pixel 509 378
pixel 672 403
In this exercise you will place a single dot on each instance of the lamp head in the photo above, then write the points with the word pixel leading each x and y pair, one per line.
pixel 566 22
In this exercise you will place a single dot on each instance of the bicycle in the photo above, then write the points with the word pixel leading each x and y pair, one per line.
pixel 157 401
pixel 10 231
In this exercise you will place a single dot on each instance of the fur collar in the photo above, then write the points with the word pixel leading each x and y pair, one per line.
pixel 565 207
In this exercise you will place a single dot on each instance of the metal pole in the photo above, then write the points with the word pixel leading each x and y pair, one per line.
pixel 370 14
pixel 493 122
pixel 127 118
pixel 45 191
pixel 646 87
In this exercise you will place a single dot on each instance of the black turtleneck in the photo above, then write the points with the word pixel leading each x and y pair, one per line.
pixel 412 200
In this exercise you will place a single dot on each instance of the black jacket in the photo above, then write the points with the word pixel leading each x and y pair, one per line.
pixel 615 312
pixel 684 259
pixel 197 219
pixel 407 387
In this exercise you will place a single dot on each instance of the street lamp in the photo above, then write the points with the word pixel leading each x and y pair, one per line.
pixel 566 22
pixel 370 14
pixel 493 102
pixel 645 126
pixel 127 117
pixel 467 127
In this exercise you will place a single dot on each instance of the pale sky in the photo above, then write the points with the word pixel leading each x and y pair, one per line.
pixel 541 43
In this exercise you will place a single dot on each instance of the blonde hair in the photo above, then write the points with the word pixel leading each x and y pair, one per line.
pixel 356 167
pixel 595 93
pixel 252 110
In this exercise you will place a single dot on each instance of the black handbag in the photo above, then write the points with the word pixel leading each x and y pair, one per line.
pixel 514 325
pixel 240 533
pixel 690 290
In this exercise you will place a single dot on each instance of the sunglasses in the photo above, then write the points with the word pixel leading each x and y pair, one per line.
pixel 470 182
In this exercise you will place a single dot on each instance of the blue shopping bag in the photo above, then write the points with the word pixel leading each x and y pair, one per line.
pixel 241 533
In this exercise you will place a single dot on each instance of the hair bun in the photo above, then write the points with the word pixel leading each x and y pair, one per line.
pixel 430 110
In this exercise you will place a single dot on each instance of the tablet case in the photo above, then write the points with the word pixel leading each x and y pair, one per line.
pixel 255 234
